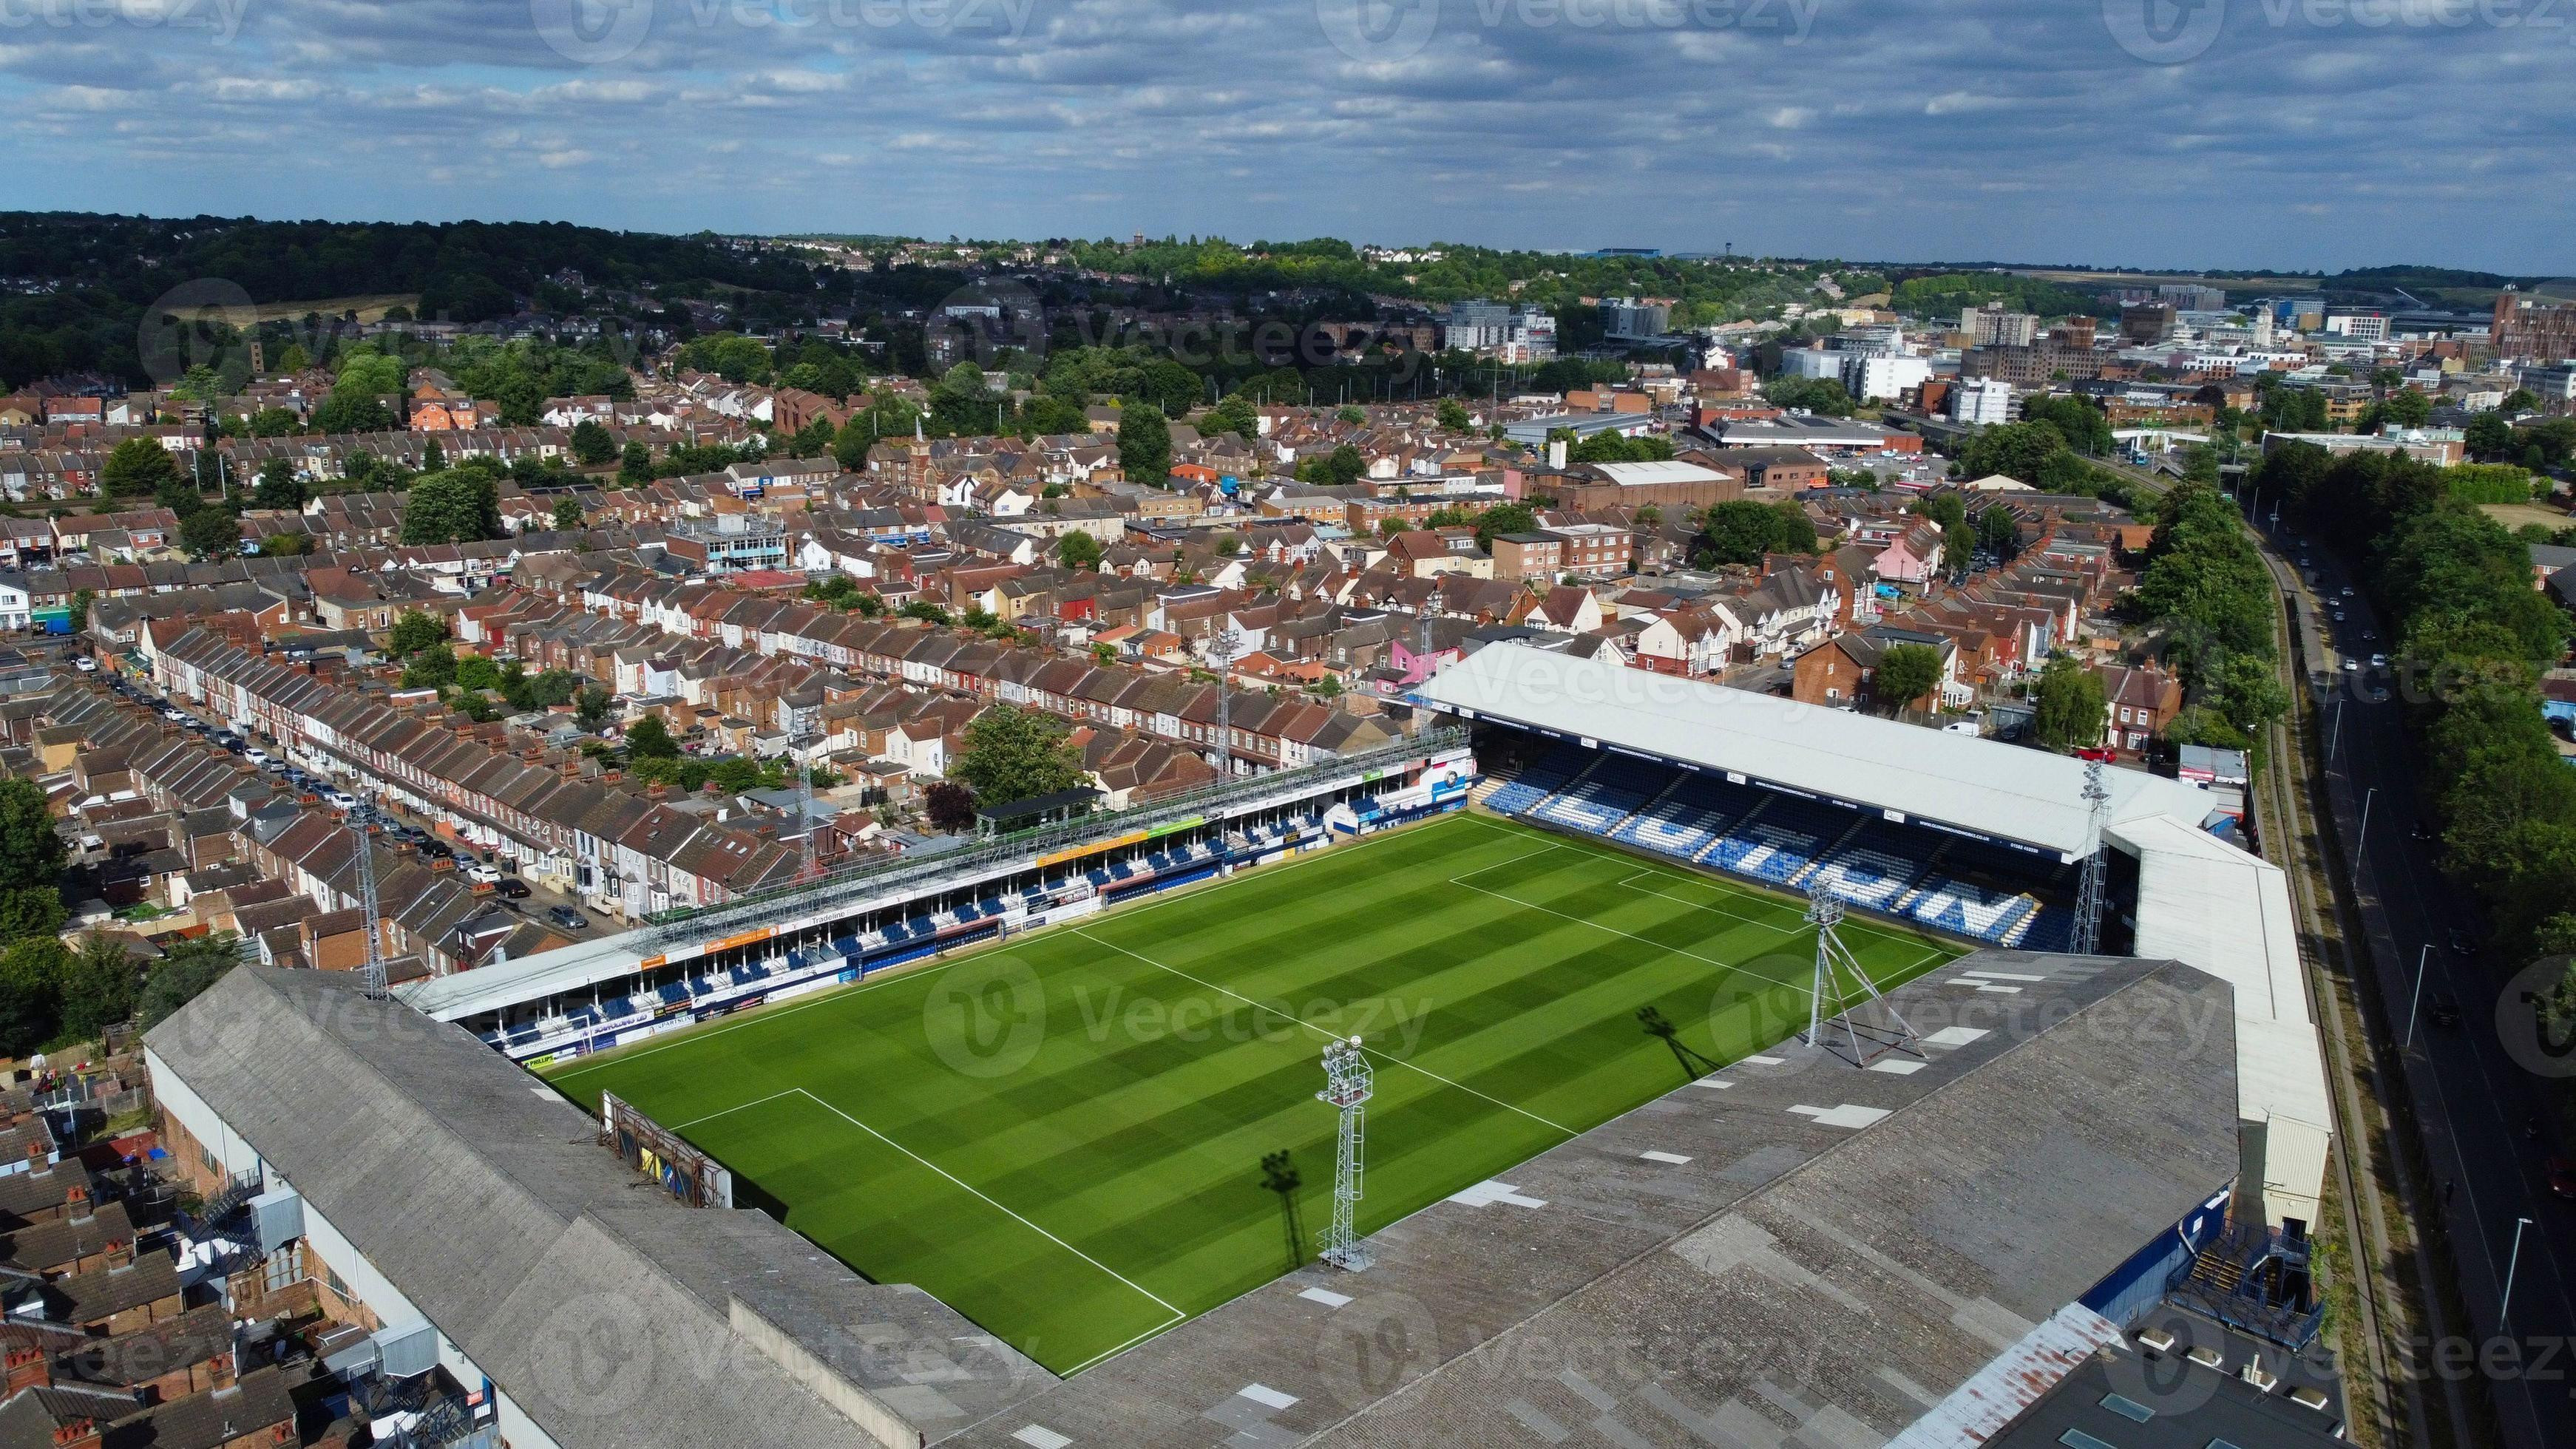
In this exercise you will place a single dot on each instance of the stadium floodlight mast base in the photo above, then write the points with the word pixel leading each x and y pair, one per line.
pixel 1347 1080
pixel 2087 939
pixel 1828 1006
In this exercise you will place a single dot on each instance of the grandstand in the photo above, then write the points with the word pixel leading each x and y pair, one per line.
pixel 1782 838
pixel 691 966
pixel 1973 838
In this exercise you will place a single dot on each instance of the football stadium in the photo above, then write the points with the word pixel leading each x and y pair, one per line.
pixel 1648 977
pixel 1062 1133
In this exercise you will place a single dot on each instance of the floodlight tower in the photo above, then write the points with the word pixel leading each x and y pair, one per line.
pixel 804 809
pixel 1827 1002
pixel 1224 646
pixel 1347 1079
pixel 372 974
pixel 2087 938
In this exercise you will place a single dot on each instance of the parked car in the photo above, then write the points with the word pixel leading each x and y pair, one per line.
pixel 260 758
pixel 2461 945
pixel 2351 665
pixel 2379 661
pixel 341 799
pixel 568 918
pixel 483 873
pixel 511 890
pixel 85 665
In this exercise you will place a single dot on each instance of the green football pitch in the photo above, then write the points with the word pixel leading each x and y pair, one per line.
pixel 1062 1135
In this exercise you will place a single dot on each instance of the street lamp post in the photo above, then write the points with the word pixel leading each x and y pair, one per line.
pixel 2415 1006
pixel 2504 1308
pixel 2361 847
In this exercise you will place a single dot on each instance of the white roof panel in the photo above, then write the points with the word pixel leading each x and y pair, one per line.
pixel 1958 780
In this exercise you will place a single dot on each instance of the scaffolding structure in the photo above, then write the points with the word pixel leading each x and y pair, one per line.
pixel 1347 1080
pixel 1870 1025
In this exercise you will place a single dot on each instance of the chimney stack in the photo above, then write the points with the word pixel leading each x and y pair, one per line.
pixel 29 1368
pixel 78 1434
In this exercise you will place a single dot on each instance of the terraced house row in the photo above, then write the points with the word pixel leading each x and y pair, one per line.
pixel 540 807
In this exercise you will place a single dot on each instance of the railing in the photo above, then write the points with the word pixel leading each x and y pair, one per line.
pixel 836 886
pixel 2251 1306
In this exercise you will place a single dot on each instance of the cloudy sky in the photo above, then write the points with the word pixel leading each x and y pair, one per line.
pixel 2216 133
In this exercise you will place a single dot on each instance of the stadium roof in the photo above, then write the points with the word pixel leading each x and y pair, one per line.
pixel 481 1198
pixel 1973 784
pixel 1809 1254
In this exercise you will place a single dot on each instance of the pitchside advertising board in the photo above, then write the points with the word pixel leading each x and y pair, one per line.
pixel 657 1153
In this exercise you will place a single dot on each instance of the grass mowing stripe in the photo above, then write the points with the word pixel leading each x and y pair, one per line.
pixel 1328 1036
pixel 1135 1118
pixel 1177 1314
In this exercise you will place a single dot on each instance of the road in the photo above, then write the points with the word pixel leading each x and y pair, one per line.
pixel 542 899
pixel 2469 1100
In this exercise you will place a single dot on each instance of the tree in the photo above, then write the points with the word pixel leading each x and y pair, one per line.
pixel 1998 532
pixel 33 910
pixel 1815 394
pixel 31 854
pixel 183 975
pixel 1144 444
pixel 951 807
pixel 1453 415
pixel 1078 550
pixel 138 468
pixel 210 533
pixel 2071 711
pixel 1741 531
pixel 98 987
pixel 461 505
pixel 1232 414
pixel 591 443
pixel 414 631
pixel 567 513
pixel 650 739
pixel 31 994
pixel 1016 754
pixel 278 487
pixel 635 465
pixel 1906 673
pixel 590 707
